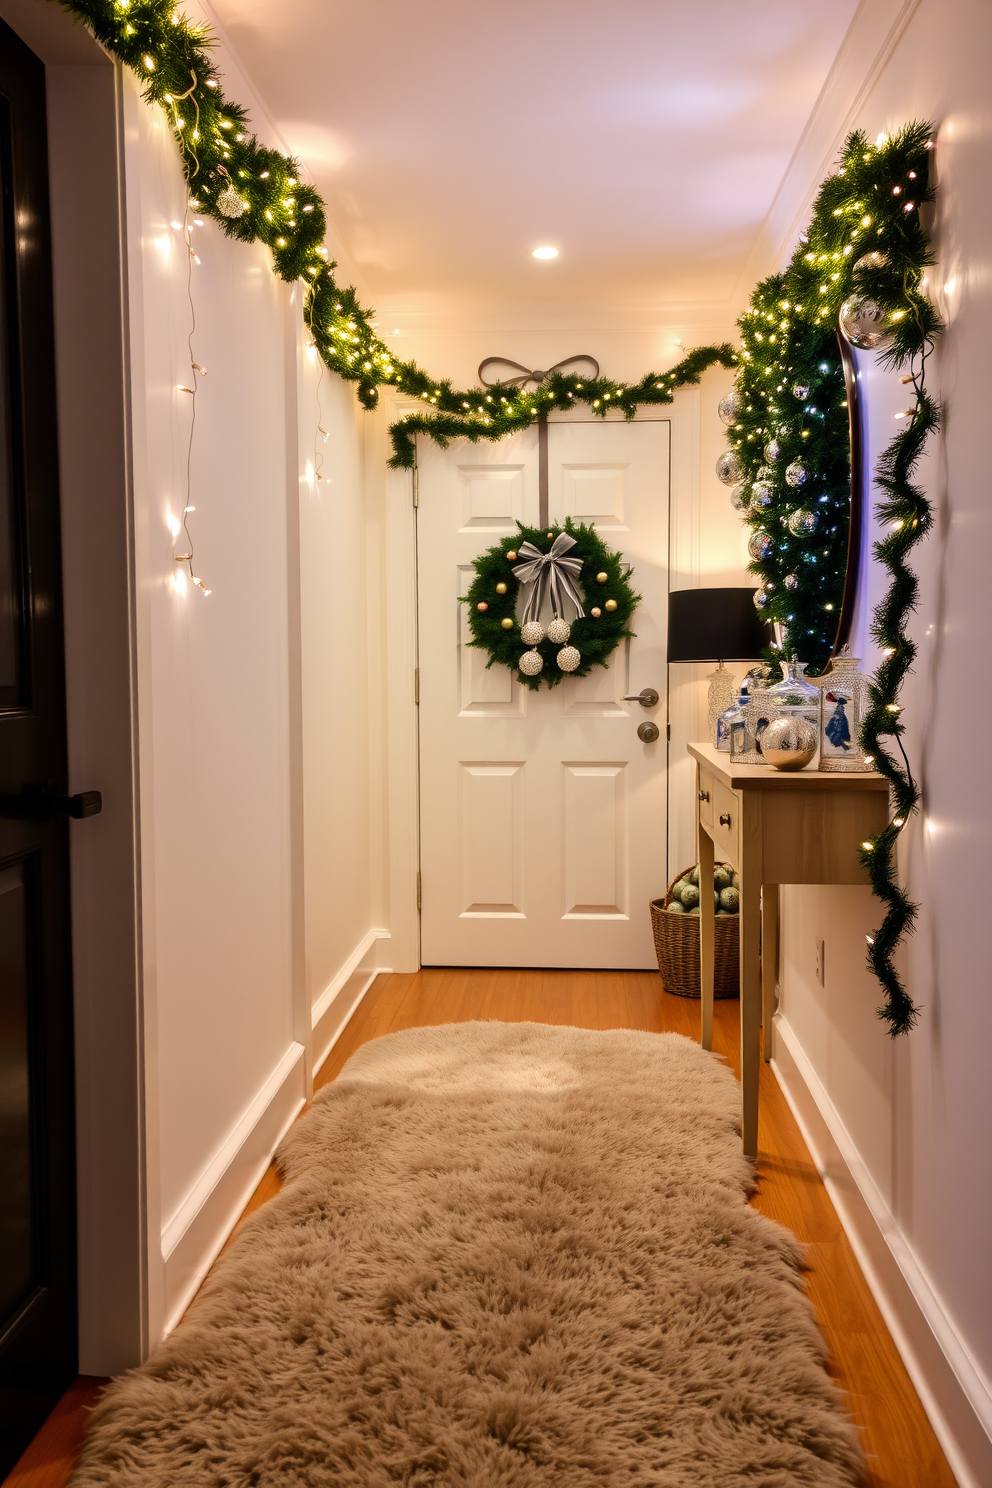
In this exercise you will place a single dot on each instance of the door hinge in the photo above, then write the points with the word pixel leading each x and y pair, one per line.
pixel 418 891
pixel 416 686
pixel 416 486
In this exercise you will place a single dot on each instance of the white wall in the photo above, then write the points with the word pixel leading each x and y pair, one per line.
pixel 911 1119
pixel 259 864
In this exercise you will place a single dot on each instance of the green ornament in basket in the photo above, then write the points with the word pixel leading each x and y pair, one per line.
pixel 726 892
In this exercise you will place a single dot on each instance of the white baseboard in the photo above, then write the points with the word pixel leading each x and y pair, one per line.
pixel 339 999
pixel 954 1393
pixel 194 1236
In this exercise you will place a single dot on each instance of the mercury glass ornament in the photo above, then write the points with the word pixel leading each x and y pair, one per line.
pixel 843 704
pixel 559 631
pixel 531 663
pixel 762 494
pixel 760 545
pixel 773 451
pixel 738 496
pixel 230 204
pixel 760 599
pixel 729 408
pixel 728 468
pixel 791 581
pixel 532 633
pixel 764 472
pixel 802 522
pixel 796 473
pixel 873 260
pixel 568 659
pixel 789 743
pixel 800 391
pixel 863 323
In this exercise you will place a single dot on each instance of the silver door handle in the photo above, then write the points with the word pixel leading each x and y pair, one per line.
pixel 648 698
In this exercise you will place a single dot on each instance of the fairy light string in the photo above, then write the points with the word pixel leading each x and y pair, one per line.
pixel 872 203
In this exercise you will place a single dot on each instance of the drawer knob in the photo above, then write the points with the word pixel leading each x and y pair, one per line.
pixel 725 819
pixel 704 795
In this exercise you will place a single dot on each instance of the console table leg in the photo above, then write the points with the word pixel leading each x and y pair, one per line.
pixel 750 932
pixel 769 962
pixel 704 853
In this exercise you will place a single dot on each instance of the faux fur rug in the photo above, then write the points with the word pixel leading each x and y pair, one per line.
pixel 506 1255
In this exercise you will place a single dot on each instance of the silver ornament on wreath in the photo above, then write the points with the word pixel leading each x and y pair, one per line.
pixel 796 473
pixel 230 204
pixel 760 545
pixel 803 522
pixel 729 407
pixel 532 633
pixel 568 659
pixel 531 663
pixel 559 631
pixel 865 324
pixel 728 468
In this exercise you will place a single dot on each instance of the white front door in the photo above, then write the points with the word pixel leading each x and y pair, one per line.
pixel 543 826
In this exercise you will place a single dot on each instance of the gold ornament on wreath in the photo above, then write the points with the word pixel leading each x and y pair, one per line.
pixel 527 603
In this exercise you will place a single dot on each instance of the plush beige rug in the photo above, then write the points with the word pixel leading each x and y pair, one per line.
pixel 506 1254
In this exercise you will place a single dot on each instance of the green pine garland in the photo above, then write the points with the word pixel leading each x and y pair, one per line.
pixel 595 637
pixel 872 204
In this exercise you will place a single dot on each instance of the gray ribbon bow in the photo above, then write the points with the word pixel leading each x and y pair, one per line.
pixel 549 571
pixel 522 375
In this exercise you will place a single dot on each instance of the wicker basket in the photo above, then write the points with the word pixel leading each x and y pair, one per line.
pixel 676 943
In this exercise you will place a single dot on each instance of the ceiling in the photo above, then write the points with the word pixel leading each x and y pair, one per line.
pixel 645 139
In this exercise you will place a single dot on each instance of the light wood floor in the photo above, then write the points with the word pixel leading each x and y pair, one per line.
pixel 901 1447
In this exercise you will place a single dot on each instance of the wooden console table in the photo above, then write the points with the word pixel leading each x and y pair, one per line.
pixel 775 827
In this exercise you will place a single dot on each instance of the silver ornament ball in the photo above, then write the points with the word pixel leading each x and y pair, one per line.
pixel 800 391
pixel 760 599
pixel 863 323
pixel 760 545
pixel 728 468
pixel 773 451
pixel 802 522
pixel 559 631
pixel 532 633
pixel 791 581
pixel 568 659
pixel 796 473
pixel 738 495
pixel 729 408
pixel 230 204
pixel 762 495
pixel 874 260
pixel 531 663
pixel 789 743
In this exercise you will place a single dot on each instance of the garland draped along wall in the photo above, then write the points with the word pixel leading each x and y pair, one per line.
pixel 866 242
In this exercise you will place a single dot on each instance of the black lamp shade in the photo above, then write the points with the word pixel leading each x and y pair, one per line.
pixel 715 625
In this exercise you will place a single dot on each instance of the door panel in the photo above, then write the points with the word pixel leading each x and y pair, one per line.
pixel 37 1156
pixel 542 814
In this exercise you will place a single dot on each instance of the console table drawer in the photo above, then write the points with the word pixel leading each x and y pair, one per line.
pixel 725 825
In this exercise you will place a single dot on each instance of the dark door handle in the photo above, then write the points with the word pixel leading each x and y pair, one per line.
pixel 36 802
pixel 725 819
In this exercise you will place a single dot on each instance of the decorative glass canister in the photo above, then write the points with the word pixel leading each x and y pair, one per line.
pixel 743 748
pixel 795 692
pixel 843 703
pixel 751 682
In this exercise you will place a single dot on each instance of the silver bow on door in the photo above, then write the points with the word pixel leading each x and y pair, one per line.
pixel 519 376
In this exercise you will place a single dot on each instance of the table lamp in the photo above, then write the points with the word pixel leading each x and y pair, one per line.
pixel 715 625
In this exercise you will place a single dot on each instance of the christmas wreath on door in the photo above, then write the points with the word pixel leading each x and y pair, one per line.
pixel 550 603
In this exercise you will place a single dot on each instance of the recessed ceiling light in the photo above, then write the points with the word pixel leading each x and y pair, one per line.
pixel 545 253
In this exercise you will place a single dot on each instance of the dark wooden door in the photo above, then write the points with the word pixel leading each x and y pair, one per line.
pixel 37 1152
